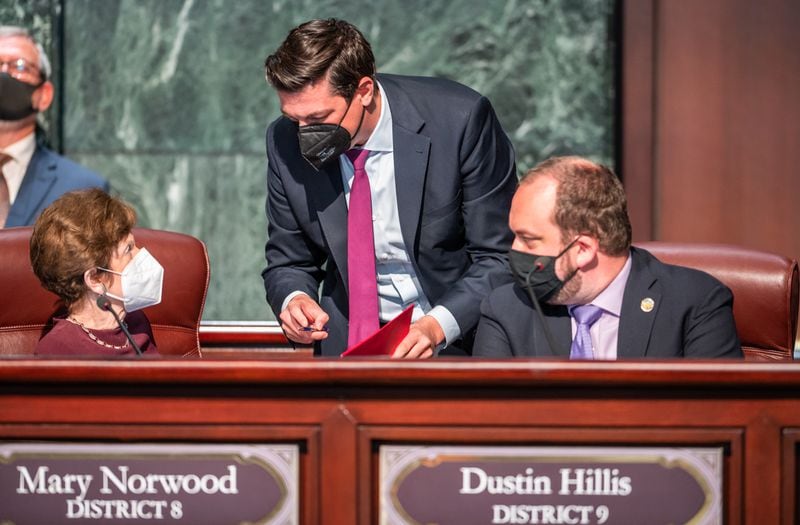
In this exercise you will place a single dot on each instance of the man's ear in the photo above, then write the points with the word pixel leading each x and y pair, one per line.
pixel 588 248
pixel 43 97
pixel 366 90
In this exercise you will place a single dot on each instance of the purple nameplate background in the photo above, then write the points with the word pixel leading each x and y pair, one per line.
pixel 569 485
pixel 55 483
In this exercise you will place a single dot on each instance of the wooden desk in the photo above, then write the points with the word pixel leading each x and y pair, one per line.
pixel 339 410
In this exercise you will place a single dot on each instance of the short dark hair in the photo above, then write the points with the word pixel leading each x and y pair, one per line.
pixel 589 199
pixel 318 48
pixel 79 231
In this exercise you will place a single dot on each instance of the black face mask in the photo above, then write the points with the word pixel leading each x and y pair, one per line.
pixel 16 98
pixel 537 273
pixel 319 143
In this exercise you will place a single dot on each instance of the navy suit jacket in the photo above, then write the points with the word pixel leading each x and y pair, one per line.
pixel 692 317
pixel 455 177
pixel 48 176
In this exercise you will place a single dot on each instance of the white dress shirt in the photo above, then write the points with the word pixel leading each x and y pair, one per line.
pixel 14 170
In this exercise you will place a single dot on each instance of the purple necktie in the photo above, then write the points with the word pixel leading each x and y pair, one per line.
pixel 5 201
pixel 361 278
pixel 585 316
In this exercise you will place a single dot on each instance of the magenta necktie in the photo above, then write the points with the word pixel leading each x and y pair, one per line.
pixel 362 284
pixel 5 201
pixel 585 316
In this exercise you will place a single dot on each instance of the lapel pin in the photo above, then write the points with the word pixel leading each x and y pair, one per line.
pixel 647 304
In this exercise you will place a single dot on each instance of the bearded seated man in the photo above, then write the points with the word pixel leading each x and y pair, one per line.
pixel 597 296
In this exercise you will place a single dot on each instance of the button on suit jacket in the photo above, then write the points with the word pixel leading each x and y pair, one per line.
pixel 692 316
pixel 455 177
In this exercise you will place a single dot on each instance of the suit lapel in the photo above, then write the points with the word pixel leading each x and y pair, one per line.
pixel 558 321
pixel 410 167
pixel 640 304
pixel 328 194
pixel 410 160
pixel 39 178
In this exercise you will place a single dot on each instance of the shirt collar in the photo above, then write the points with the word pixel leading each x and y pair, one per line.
pixel 22 150
pixel 610 299
pixel 381 138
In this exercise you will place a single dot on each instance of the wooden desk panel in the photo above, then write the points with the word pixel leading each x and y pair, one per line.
pixel 339 410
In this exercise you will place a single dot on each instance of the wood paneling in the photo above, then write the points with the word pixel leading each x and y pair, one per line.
pixel 339 411
pixel 711 122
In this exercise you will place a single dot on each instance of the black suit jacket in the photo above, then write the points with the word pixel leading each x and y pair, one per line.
pixel 692 317
pixel 455 177
pixel 48 176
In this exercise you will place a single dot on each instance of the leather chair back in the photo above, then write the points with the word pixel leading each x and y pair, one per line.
pixel 765 291
pixel 26 309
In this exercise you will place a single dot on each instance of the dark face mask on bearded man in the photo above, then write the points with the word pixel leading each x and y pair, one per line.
pixel 537 273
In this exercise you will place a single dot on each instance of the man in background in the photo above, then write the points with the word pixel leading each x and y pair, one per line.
pixel 600 298
pixel 33 176
pixel 392 191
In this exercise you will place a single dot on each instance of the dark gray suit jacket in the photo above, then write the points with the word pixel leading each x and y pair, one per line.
pixel 692 317
pixel 48 176
pixel 455 177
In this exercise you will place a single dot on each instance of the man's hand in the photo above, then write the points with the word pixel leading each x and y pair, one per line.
pixel 304 312
pixel 422 339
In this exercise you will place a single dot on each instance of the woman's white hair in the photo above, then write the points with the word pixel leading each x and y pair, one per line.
pixel 44 62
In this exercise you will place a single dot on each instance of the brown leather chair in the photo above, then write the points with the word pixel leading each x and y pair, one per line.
pixel 765 291
pixel 26 308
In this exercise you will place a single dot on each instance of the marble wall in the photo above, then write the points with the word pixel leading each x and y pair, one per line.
pixel 167 98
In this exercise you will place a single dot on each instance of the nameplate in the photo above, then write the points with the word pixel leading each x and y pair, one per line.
pixel 58 483
pixel 550 485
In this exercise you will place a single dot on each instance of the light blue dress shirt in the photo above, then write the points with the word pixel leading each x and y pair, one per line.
pixel 398 284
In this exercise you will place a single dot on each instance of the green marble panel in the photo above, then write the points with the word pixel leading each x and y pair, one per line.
pixel 217 198
pixel 167 98
pixel 187 76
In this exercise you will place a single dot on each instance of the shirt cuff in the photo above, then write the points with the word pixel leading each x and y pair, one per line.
pixel 289 298
pixel 448 323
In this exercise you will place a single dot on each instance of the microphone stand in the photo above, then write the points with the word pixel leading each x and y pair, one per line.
pixel 549 336
pixel 105 304
pixel 551 342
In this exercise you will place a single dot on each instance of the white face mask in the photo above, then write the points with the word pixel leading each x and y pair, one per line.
pixel 142 278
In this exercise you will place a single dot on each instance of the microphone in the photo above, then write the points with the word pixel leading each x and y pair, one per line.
pixel 538 266
pixel 105 304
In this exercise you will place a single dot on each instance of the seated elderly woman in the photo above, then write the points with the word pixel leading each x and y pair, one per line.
pixel 82 250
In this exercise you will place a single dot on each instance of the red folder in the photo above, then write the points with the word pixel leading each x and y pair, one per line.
pixel 385 340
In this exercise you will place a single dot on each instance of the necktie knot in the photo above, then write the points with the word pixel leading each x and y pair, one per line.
pixel 585 316
pixel 358 157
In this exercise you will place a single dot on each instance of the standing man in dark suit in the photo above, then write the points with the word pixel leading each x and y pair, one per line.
pixel 32 175
pixel 423 160
pixel 600 298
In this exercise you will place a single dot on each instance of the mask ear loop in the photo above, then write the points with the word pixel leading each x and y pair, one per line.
pixel 360 121
pixel 107 295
